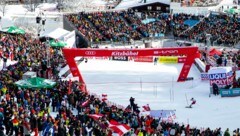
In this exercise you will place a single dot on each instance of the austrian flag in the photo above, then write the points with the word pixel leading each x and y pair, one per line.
pixel 84 104
pixel 121 129
pixel 95 116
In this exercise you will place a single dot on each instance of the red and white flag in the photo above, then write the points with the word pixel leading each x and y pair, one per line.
pixel 84 104
pixel 146 108
pixel 121 129
pixel 69 86
pixel 95 116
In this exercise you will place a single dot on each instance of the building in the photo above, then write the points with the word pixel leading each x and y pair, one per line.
pixel 145 5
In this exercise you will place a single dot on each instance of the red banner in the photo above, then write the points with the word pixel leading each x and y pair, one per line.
pixel 143 59
pixel 189 52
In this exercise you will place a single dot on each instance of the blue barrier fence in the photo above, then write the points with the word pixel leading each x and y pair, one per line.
pixel 230 92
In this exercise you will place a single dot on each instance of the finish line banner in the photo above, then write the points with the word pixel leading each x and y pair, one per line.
pixel 168 59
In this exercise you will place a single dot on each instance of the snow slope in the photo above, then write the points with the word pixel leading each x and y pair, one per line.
pixel 152 85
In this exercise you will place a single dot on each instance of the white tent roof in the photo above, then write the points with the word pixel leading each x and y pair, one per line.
pixel 125 4
pixel 98 2
pixel 216 70
pixel 47 7
pixel 57 33
pixel 6 22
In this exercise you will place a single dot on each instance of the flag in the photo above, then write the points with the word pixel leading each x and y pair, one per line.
pixel 104 95
pixel 113 123
pixel 146 108
pixel 69 87
pixel 84 104
pixel 95 116
pixel 118 128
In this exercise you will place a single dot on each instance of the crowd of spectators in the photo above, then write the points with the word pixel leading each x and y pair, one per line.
pixel 122 26
pixel 178 23
pixel 159 25
pixel 112 26
pixel 85 27
pixel 223 29
pixel 66 109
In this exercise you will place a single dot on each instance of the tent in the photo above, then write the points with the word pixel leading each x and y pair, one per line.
pixel 13 30
pixel 47 7
pixel 35 82
pixel 98 4
pixel 6 22
pixel 57 44
pixel 58 34
pixel 215 52
pixel 233 11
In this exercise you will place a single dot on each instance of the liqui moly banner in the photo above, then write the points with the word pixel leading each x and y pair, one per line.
pixel 221 79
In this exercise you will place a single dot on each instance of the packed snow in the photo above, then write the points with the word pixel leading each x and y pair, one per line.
pixel 153 84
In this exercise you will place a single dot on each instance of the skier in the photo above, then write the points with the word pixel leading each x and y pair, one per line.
pixel 193 102
pixel 155 61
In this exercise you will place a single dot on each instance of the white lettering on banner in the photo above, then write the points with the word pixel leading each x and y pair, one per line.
pixel 124 53
pixel 90 53
pixel 217 76
pixel 168 51
pixel 221 82
pixel 204 76
pixel 165 52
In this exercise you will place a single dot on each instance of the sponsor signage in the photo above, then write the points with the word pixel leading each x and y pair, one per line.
pixel 230 92
pixel 221 79
pixel 190 52
pixel 90 53
pixel 204 76
pixel 181 59
pixel 125 53
pixel 167 59
pixel 164 52
pixel 143 59
pixel 120 58
pixel 218 76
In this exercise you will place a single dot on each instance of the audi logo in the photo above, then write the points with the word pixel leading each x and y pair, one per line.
pixel 90 52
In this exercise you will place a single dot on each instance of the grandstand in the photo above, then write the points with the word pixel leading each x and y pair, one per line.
pixel 126 25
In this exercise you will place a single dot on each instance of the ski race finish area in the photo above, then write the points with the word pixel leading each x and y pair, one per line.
pixel 190 53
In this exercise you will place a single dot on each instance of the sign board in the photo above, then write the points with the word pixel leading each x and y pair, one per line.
pixel 120 58
pixel 204 76
pixel 230 92
pixel 168 59
pixel 222 76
